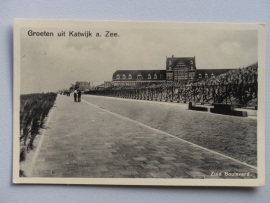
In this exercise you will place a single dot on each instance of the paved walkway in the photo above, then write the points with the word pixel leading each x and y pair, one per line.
pixel 83 140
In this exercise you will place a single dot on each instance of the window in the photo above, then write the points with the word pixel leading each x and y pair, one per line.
pixel 118 77
pixel 161 76
pixel 191 68
pixel 155 76
pixel 124 77
pixel 169 76
pixel 191 75
pixel 139 76
pixel 170 68
pixel 129 76
pixel 149 76
pixel 170 62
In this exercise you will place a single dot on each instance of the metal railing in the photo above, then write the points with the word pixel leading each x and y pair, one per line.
pixel 226 93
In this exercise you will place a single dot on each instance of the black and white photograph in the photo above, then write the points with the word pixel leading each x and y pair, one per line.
pixel 138 103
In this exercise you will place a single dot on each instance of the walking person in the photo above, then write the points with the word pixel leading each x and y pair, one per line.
pixel 75 95
pixel 79 95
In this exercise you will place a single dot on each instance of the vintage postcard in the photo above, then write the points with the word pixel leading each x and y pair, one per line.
pixel 139 103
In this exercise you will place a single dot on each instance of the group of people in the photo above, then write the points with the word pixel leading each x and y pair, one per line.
pixel 68 93
pixel 77 95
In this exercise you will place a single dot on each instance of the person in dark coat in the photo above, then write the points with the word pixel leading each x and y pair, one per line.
pixel 79 95
pixel 75 95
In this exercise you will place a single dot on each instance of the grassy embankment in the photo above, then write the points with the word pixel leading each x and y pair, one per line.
pixel 34 108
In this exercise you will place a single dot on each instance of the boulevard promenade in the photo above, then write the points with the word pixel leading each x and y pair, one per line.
pixel 93 139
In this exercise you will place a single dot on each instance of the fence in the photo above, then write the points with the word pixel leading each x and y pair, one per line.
pixel 229 93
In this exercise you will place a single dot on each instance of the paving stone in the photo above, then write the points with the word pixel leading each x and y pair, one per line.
pixel 137 167
pixel 115 167
pixel 160 175
pixel 168 158
pixel 164 166
pixel 178 174
pixel 112 147
pixel 142 176
pixel 140 159
pixel 72 175
pixel 147 171
pixel 196 174
pixel 129 172
pixel 91 174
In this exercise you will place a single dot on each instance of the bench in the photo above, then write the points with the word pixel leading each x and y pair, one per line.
pixel 227 109
pixel 192 106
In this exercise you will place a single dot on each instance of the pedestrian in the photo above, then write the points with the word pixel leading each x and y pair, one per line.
pixel 79 95
pixel 75 95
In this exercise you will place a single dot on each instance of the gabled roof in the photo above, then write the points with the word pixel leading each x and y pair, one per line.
pixel 144 73
pixel 188 61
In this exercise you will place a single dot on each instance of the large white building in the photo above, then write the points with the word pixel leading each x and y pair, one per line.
pixel 178 69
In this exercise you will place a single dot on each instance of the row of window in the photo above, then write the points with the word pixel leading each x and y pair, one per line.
pixel 170 62
pixel 182 76
pixel 181 67
pixel 139 76
pixel 179 74
pixel 125 83
pixel 206 75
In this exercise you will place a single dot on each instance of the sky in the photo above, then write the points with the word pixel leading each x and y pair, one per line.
pixel 52 63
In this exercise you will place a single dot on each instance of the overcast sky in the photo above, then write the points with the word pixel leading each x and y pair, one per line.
pixel 52 63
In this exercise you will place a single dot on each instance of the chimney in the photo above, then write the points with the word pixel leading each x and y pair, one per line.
pixel 172 56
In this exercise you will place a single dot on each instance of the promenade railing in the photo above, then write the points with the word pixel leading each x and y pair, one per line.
pixel 241 94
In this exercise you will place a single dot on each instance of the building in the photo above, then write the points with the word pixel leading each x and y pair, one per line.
pixel 178 69
pixel 82 85
pixel 71 88
pixel 134 77
pixel 100 87
pixel 107 84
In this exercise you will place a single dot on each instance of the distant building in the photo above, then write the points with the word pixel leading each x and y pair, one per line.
pixel 71 89
pixel 178 69
pixel 82 85
pixel 107 84
pixel 100 87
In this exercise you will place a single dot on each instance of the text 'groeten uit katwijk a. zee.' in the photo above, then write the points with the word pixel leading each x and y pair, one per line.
pixel 86 34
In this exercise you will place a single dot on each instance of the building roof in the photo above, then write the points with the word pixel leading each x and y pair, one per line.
pixel 135 73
